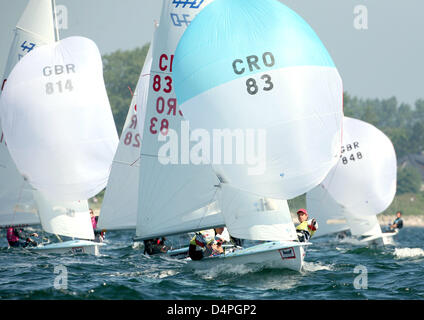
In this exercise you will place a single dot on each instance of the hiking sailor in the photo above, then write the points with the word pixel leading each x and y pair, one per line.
pixel 306 229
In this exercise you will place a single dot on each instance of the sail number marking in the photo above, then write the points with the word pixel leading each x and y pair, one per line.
pixel 27 48
pixel 194 4
pixel 164 106
pixel 128 139
pixel 355 153
pixel 253 63
pixel 59 86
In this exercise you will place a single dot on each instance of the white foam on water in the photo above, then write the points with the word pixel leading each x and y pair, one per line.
pixel 316 266
pixel 226 269
pixel 401 253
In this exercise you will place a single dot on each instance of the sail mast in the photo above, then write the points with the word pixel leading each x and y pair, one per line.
pixel 56 29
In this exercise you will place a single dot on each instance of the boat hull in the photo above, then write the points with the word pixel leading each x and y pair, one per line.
pixel 386 238
pixel 276 255
pixel 72 247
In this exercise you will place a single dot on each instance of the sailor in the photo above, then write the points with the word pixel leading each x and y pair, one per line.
pixel 154 246
pixel 98 235
pixel 306 229
pixel 398 223
pixel 202 244
pixel 15 238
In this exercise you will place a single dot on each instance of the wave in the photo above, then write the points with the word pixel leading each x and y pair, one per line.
pixel 316 266
pixel 402 253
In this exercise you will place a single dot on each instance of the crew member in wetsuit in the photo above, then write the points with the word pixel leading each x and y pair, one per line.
pixel 398 223
pixel 306 229
pixel 201 245
pixel 154 246
pixel 15 238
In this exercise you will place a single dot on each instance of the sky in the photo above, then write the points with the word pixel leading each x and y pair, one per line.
pixel 377 45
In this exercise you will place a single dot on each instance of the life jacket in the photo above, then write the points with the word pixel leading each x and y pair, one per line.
pixel 202 238
pixel 11 236
pixel 307 228
pixel 94 222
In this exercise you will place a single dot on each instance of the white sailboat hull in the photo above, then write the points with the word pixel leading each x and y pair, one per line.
pixel 276 255
pixel 385 238
pixel 72 247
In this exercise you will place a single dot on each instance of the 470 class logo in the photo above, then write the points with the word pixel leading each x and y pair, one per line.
pixel 193 4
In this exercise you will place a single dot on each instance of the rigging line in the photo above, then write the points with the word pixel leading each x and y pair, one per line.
pixel 213 197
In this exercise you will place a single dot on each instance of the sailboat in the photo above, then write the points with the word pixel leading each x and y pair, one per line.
pixel 245 65
pixel 133 160
pixel 360 186
pixel 174 198
pixel 61 134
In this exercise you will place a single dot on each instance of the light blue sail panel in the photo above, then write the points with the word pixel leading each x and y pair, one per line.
pixel 230 39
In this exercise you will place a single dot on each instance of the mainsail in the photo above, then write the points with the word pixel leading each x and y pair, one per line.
pixel 120 203
pixel 249 217
pixel 257 71
pixel 330 215
pixel 174 197
pixel 66 218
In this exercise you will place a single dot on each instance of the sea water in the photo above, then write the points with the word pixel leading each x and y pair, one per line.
pixel 332 270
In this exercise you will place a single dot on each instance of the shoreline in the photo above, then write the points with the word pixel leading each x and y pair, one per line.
pixel 384 220
pixel 408 221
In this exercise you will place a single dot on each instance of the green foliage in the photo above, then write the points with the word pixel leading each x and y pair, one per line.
pixel 121 70
pixel 408 203
pixel 408 180
pixel 402 124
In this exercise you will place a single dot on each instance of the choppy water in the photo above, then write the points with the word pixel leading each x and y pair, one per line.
pixel 123 272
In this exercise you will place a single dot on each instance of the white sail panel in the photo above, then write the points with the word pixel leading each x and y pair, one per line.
pixel 279 81
pixel 173 197
pixel 363 225
pixel 248 216
pixel 364 179
pixel 330 215
pixel 17 206
pixel 60 133
pixel 206 217
pixel 70 218
pixel 120 203
pixel 34 28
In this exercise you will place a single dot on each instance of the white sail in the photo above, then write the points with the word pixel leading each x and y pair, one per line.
pixel 17 206
pixel 330 215
pixel 364 180
pixel 258 71
pixel 120 203
pixel 248 216
pixel 70 218
pixel 34 28
pixel 173 197
pixel 363 225
pixel 57 120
